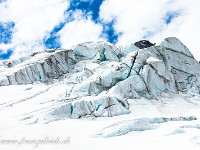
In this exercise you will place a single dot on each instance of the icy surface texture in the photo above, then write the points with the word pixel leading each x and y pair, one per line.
pixel 142 124
pixel 97 78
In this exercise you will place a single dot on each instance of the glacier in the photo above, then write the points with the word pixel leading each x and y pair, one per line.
pixel 99 77
pixel 150 87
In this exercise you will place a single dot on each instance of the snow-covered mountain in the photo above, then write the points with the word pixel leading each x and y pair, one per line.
pixel 97 91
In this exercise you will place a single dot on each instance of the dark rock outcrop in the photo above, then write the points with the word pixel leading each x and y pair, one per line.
pixel 143 44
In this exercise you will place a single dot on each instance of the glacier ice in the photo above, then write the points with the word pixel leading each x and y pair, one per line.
pixel 99 77
pixel 142 124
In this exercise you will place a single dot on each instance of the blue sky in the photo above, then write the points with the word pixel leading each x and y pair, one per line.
pixel 52 41
pixel 34 25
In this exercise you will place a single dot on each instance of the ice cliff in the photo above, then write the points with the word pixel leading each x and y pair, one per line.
pixel 99 77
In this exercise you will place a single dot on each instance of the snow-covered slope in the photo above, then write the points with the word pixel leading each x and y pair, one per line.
pixel 147 90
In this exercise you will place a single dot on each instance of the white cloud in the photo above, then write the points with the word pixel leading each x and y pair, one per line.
pixel 135 18
pixel 87 1
pixel 33 20
pixel 80 30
